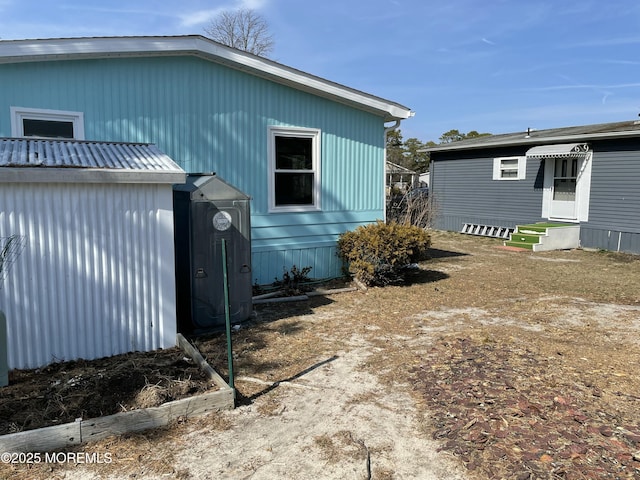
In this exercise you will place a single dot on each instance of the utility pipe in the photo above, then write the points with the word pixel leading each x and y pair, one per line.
pixel 387 130
pixel 391 129
pixel 227 316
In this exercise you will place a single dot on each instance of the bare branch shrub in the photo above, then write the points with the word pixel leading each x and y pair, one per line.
pixel 417 210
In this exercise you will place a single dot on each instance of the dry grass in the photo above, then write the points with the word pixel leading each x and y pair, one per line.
pixel 561 324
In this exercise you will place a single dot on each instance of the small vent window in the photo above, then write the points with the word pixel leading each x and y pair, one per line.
pixel 39 123
pixel 46 128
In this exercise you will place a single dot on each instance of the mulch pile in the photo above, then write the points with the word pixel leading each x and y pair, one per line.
pixel 503 410
pixel 61 392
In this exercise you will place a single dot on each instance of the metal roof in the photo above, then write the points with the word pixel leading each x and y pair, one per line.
pixel 39 50
pixel 48 160
pixel 391 167
pixel 579 134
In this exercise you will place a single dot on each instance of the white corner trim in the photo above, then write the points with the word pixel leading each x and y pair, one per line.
pixel 583 190
pixel 547 187
pixel 522 168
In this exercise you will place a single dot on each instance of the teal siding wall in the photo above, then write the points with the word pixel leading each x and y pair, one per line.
pixel 209 117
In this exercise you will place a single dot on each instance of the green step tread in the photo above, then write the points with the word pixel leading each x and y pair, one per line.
pixel 542 227
pixel 524 237
pixel 528 246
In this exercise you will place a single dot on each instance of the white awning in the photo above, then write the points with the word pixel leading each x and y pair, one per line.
pixel 566 150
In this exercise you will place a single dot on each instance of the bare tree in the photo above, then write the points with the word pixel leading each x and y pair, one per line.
pixel 243 29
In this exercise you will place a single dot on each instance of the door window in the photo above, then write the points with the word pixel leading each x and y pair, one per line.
pixel 564 179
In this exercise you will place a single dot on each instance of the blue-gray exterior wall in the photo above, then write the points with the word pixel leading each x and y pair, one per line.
pixel 464 192
pixel 614 212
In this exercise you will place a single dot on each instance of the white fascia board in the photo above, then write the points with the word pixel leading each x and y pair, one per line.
pixel 88 175
pixel 13 51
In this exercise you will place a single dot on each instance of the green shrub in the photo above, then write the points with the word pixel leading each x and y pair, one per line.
pixel 376 254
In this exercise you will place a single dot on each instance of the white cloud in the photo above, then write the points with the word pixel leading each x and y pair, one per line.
pixel 602 88
pixel 253 4
pixel 201 17
pixel 198 18
pixel 605 42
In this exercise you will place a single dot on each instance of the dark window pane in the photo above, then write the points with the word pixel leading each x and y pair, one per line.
pixel 293 153
pixel 47 128
pixel 294 189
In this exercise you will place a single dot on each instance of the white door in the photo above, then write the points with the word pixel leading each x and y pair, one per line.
pixel 563 194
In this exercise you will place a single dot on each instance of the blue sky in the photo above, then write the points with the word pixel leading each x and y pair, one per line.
pixel 494 65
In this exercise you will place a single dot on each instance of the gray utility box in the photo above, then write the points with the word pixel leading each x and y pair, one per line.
pixel 207 210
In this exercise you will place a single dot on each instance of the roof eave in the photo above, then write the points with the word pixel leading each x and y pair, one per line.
pixel 531 140
pixel 89 175
pixel 16 51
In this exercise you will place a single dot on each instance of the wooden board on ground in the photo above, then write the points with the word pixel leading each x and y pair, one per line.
pixel 82 431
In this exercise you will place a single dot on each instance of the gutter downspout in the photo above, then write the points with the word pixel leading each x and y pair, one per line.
pixel 391 129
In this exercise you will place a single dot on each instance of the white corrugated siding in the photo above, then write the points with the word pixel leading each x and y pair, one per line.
pixel 96 275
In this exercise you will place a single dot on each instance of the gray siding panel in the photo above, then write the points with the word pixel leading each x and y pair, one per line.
pixel 615 189
pixel 614 207
pixel 464 191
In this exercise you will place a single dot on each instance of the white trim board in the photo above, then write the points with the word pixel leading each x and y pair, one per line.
pixel 18 114
pixel 583 190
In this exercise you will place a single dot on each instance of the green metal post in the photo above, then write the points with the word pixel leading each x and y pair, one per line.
pixel 227 316
pixel 4 371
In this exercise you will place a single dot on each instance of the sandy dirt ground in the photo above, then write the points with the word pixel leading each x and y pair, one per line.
pixel 487 364
pixel 334 421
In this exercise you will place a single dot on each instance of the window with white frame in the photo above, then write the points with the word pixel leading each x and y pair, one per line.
pixel 509 168
pixel 294 159
pixel 41 123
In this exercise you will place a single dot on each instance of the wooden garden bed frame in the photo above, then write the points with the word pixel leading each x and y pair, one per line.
pixel 93 429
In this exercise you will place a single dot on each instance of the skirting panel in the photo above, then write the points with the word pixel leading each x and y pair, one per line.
pixel 613 240
pixel 270 265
